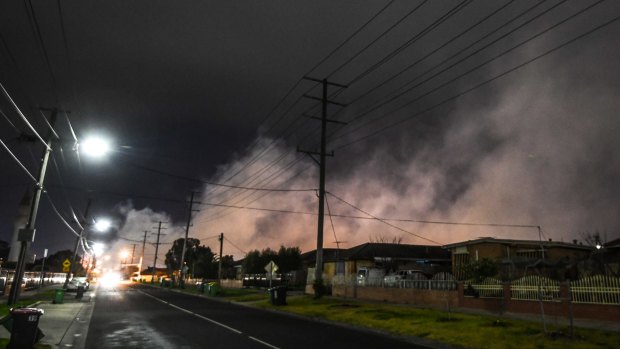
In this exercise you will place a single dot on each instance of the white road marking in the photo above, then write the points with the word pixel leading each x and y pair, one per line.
pixel 263 343
pixel 210 320
pixel 196 315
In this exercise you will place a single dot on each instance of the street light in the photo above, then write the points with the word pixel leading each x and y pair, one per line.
pixel 95 146
pixel 100 225
pixel 26 235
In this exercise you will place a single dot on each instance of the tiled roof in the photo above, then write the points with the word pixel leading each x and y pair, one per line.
pixel 545 243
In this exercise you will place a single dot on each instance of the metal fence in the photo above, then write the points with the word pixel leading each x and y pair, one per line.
pixel 598 289
pixel 534 287
pixel 487 288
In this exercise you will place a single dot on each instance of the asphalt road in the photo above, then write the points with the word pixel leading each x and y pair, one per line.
pixel 143 317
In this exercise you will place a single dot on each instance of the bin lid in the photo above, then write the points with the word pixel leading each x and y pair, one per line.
pixel 27 311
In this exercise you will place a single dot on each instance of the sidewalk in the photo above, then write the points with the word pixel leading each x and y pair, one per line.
pixel 64 325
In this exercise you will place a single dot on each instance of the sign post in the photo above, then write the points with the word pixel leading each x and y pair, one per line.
pixel 271 268
pixel 66 266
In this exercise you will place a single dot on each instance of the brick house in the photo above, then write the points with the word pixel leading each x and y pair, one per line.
pixel 518 257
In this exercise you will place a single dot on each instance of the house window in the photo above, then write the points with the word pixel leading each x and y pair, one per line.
pixel 339 268
pixel 530 254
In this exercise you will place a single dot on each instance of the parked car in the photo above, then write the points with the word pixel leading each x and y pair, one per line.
pixel 76 282
pixel 393 280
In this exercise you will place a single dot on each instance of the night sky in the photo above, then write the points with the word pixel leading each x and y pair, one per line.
pixel 490 112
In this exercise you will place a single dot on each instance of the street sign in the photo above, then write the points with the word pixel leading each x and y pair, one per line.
pixel 271 267
pixel 65 269
pixel 66 263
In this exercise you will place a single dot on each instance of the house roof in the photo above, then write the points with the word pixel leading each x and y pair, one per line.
pixel 400 251
pixel 386 250
pixel 612 244
pixel 329 255
pixel 519 242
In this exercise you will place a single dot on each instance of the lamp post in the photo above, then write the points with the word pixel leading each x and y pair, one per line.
pixel 26 235
pixel 100 225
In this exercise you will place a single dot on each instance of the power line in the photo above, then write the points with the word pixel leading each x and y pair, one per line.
pixel 385 32
pixel 309 72
pixel 384 221
pixel 235 246
pixel 217 184
pixel 485 82
pixel 19 112
pixel 39 37
pixel 437 49
pixel 456 9
pixel 18 161
pixel 400 94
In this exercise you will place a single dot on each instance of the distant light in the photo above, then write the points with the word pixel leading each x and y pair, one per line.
pixel 102 225
pixel 95 147
pixel 110 280
pixel 598 246
pixel 98 249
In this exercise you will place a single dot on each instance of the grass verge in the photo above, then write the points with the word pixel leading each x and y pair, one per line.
pixel 458 329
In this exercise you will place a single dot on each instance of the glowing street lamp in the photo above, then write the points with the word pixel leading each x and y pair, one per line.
pixel 95 146
pixel 98 249
pixel 102 225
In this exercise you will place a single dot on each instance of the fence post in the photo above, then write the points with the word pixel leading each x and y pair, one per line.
pixel 460 286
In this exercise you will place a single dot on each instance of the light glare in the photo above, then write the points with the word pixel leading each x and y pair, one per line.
pixel 95 146
pixel 102 225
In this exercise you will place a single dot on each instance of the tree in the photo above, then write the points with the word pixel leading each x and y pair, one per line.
pixel 173 256
pixel 199 259
pixel 54 262
pixel 287 258
pixel 479 270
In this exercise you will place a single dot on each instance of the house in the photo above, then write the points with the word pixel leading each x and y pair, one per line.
pixel 516 258
pixel 345 263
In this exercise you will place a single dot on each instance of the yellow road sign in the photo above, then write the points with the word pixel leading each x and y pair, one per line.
pixel 65 269
pixel 66 263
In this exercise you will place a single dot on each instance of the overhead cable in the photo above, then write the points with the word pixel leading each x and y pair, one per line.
pixel 475 87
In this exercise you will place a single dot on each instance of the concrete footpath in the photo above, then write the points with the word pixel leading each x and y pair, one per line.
pixel 64 325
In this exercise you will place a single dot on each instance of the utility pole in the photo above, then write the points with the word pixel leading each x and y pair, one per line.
pixel 143 246
pixel 77 244
pixel 26 235
pixel 219 267
pixel 133 251
pixel 318 275
pixel 159 229
pixel 182 268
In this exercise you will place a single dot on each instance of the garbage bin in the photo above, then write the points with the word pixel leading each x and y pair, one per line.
pixel 277 295
pixel 59 296
pixel 80 292
pixel 25 328
pixel 214 288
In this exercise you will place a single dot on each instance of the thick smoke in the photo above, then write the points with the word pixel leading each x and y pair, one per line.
pixel 131 231
pixel 537 148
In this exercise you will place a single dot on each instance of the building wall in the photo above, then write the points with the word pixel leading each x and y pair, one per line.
pixel 399 295
pixel 440 299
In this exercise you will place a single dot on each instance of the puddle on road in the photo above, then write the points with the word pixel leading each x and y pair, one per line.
pixel 137 335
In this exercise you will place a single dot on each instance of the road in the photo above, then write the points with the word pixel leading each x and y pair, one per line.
pixel 135 316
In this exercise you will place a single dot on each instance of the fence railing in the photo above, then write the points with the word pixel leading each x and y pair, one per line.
pixel 598 289
pixel 534 287
pixel 487 288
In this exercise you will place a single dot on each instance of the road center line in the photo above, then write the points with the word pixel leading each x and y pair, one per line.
pixel 263 343
pixel 196 315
